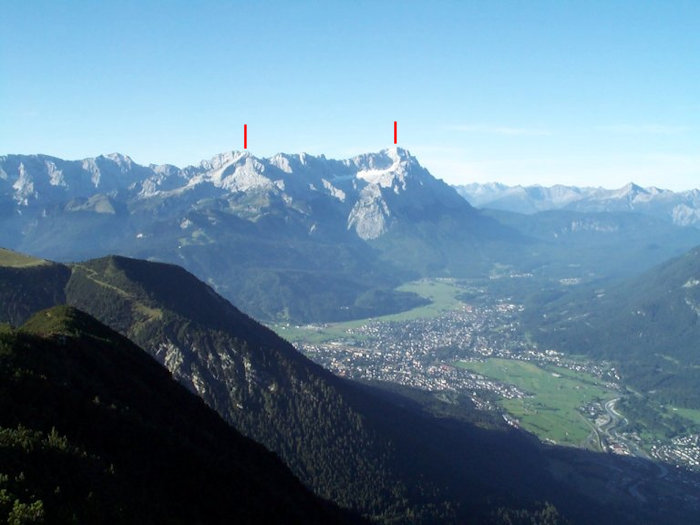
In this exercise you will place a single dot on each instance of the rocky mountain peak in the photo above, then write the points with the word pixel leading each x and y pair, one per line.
pixel 120 159
pixel 364 195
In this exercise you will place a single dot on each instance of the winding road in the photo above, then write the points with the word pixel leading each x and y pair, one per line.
pixel 611 431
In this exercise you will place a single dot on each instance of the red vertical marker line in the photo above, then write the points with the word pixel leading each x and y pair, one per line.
pixel 245 136
pixel 394 132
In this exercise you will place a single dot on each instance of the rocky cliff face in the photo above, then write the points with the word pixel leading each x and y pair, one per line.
pixel 303 186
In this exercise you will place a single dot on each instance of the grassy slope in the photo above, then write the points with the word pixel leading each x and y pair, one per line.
pixel 441 295
pixel 28 285
pixel 11 259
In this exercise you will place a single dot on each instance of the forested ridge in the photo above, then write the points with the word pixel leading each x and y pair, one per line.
pixel 93 430
pixel 649 326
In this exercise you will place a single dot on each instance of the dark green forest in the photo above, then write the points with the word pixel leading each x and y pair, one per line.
pixel 92 430
pixel 649 326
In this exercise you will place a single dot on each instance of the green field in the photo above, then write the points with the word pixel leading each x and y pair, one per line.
pixel 12 259
pixel 552 411
pixel 442 294
pixel 688 413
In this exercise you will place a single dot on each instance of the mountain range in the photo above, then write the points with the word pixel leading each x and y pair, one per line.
pixel 681 208
pixel 301 238
pixel 287 237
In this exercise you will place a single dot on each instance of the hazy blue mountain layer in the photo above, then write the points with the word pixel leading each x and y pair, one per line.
pixel 681 208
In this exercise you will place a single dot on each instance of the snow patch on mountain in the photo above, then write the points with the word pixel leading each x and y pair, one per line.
pixel 684 215
pixel 282 162
pixel 693 306
pixel 592 225
pixel 220 161
pixel 389 169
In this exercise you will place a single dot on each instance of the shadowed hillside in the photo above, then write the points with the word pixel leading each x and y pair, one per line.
pixel 93 430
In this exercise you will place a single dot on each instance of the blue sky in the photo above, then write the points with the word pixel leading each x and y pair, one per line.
pixel 587 93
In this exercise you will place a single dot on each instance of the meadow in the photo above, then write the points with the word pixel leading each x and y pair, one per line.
pixel 12 259
pixel 441 292
pixel 555 394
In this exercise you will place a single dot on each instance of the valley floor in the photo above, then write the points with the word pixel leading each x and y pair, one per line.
pixel 468 342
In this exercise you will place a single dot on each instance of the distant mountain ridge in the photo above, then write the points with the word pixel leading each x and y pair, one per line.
pixel 681 208
pixel 296 237
pixel 302 238
pixel 361 187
